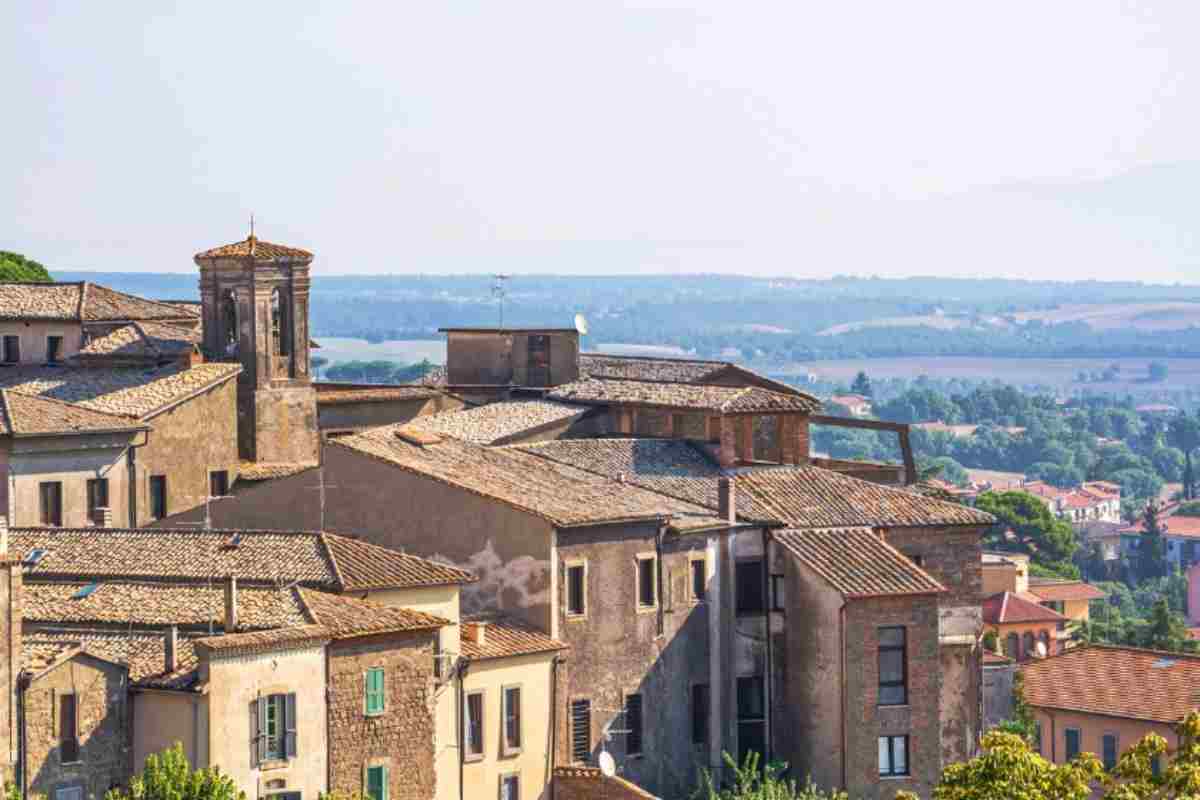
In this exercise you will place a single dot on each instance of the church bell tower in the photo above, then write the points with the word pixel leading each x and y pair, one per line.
pixel 254 298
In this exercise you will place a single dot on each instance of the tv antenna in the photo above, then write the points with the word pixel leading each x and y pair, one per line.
pixel 500 291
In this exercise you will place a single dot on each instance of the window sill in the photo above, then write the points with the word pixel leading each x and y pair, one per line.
pixel 905 777
pixel 893 705
pixel 575 617
pixel 473 759
pixel 273 764
pixel 76 763
pixel 373 714
pixel 646 609
pixel 511 753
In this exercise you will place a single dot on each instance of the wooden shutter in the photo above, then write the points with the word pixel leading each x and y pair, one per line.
pixel 258 730
pixel 386 788
pixel 289 718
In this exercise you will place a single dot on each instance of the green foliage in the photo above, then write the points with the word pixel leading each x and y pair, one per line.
pixel 16 267
pixel 752 783
pixel 169 776
pixel 379 371
pixel 1152 547
pixel 1009 770
pixel 942 467
pixel 862 385
pixel 1051 542
pixel 1184 433
pixel 13 792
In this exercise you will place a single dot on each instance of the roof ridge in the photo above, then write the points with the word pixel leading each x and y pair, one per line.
pixel 137 297
pixel 661 358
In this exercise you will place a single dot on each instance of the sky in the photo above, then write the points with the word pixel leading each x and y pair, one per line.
pixel 1017 139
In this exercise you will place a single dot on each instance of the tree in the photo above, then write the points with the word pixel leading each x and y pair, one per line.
pixel 1009 770
pixel 862 385
pixel 1166 630
pixel 169 776
pixel 1157 371
pixel 1151 550
pixel 16 267
pixel 1050 541
pixel 1184 433
pixel 752 783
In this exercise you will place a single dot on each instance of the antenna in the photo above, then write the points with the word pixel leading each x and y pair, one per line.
pixel 500 292
pixel 321 487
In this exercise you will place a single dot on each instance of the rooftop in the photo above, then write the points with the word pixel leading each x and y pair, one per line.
pixel 1116 682
pixel 496 423
pixel 130 391
pixel 269 470
pixel 335 393
pixel 29 415
pixel 562 495
pixel 140 342
pixel 857 562
pixel 1052 590
pixel 81 302
pixel 1007 607
pixel 346 617
pixel 253 247
pixel 257 641
pixel 324 560
pixel 141 651
pixel 504 637
pixel 679 370
pixel 684 396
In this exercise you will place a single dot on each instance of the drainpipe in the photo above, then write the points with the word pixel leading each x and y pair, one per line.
pixel 22 735
pixel 131 460
pixel 842 658
pixel 768 686
pixel 553 719
pixel 464 664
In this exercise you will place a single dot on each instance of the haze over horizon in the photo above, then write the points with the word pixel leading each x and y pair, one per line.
pixel 1026 140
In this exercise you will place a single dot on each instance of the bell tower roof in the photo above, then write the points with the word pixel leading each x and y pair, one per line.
pixel 253 247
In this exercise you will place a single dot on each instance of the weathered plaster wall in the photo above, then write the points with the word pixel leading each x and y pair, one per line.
pixel 160 719
pixel 342 416
pixel 34 335
pixel 1092 728
pixel 997 693
pixel 285 425
pixel 73 460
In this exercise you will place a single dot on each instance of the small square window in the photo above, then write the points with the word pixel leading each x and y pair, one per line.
pixel 12 349
pixel 893 755
pixel 218 483
pixel 647 580
pixel 576 590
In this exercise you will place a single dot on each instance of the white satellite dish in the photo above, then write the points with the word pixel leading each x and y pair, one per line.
pixel 1041 649
pixel 608 767
pixel 581 324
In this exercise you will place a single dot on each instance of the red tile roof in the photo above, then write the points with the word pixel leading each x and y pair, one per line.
pixel 684 396
pixel 258 249
pixel 857 562
pixel 346 617
pixel 1007 607
pixel 29 415
pixel 504 637
pixel 1051 590
pixel 1117 682
pixel 80 302
pixel 301 636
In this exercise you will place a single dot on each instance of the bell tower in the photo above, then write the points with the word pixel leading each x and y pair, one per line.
pixel 254 303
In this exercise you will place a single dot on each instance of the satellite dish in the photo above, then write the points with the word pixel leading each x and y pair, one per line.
pixel 608 767
pixel 581 324
pixel 1041 649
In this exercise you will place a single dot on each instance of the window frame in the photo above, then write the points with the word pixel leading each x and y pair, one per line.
pixel 700 719
pixel 760 604
pixel 578 704
pixel 68 746
pixel 778 589
pixel 384 780
pixel 470 726
pixel 1116 749
pixel 50 503
pixel 652 560
pixel 757 721
pixel 880 650
pixel 1067 742
pixel 218 479
pixel 568 568
pixel 634 738
pixel 16 341
pixel 504 778
pixel 380 693
pixel 507 747
pixel 891 771
pixel 158 503
pixel 54 355
pixel 698 568
pixel 96 486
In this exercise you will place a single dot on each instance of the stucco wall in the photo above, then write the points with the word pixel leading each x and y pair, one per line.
pixel 1092 728
pixel 341 416
pixel 284 424
pixel 160 719
pixel 33 338
pixel 73 460
pixel 236 681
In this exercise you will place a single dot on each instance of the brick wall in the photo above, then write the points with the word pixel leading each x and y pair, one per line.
pixel 402 738
pixel 952 555
pixel 101 724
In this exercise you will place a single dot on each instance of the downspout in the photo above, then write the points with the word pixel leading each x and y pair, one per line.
pixel 658 573
pixel 464 664
pixel 22 736
pixel 553 719
pixel 842 658
pixel 768 686
pixel 131 460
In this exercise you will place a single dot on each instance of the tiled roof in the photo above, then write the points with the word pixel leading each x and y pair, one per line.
pixel 132 391
pixel 1050 590
pixel 496 423
pixel 1007 607
pixel 562 495
pixel 142 652
pixel 344 617
pixel 504 637
pixel 140 341
pixel 329 394
pixel 302 636
pixel 1116 682
pixel 857 562
pixel 41 654
pixel 811 497
pixel 29 415
pixel 268 471
pixel 79 302
pixel 260 250
pixel 684 396
pixel 312 559
pixel 1173 524
pixel 621 787
pixel 156 603
pixel 680 370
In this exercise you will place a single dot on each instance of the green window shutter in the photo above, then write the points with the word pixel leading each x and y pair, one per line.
pixel 377 782
pixel 384 770
pixel 375 691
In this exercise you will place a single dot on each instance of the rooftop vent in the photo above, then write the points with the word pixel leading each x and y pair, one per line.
pixel 35 555
pixel 232 542
pixel 86 591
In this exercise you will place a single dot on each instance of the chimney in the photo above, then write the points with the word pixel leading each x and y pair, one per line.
pixel 231 607
pixel 476 632
pixel 171 649
pixel 726 500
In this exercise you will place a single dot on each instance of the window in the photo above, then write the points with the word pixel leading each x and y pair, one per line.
pixel 1155 766
pixel 699 579
pixel 778 592
pixel 69 793
pixel 1027 642
pixel 510 787
pixel 229 318
pixel 158 496
pixel 51 497
pixel 218 483
pixel 274 727
pixel 1072 737
pixel 893 667
pixel 474 725
pixel 699 713
pixel 1012 646
pixel 1037 738
pixel 748 583
pixel 377 782
pixel 68 742
pixel 375 702
pixel 751 716
pixel 279 323
pixel 646 578
pixel 633 723
pixel 54 349
pixel 576 590
pixel 97 498
pixel 12 349
pixel 581 730
pixel 1044 638
pixel 893 755
pixel 511 713
pixel 1109 742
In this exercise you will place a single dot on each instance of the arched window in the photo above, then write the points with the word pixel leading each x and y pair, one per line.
pixel 280 333
pixel 1012 646
pixel 229 322
pixel 1028 643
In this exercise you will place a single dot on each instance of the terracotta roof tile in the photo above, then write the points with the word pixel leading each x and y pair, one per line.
pixel 131 391
pixel 79 302
pixel 29 415
pixel 142 652
pixel 686 396
pixel 300 637
pixel 268 471
pixel 560 494
pixel 1117 682
pixel 1049 590
pixel 504 637
pixel 140 342
pixel 345 617
pixel 40 654
pixel 361 565
pixel 857 562
pixel 1006 607
pixel 258 249
pixel 496 423
pixel 678 370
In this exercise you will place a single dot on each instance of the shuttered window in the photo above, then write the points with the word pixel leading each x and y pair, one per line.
pixel 273 728
pixel 1110 750
pixel 581 730
pixel 1072 742
pixel 375 694
pixel 377 782
pixel 633 722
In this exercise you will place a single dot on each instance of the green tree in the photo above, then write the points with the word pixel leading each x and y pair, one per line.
pixel 1051 542
pixel 1184 433
pixel 16 267
pixel 1152 548
pixel 862 385
pixel 1166 630
pixel 1008 769
pixel 169 776
pixel 752 783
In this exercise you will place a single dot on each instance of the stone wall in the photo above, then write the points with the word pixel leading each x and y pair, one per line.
pixel 344 416
pixel 402 737
pixel 952 555
pixel 101 723
pixel 284 424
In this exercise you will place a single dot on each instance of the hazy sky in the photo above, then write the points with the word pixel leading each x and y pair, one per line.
pixel 1028 139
